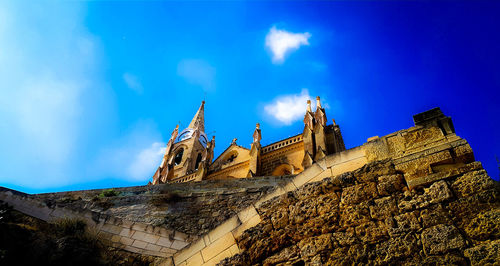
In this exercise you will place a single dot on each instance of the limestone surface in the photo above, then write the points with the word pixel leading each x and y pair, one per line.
pixel 370 216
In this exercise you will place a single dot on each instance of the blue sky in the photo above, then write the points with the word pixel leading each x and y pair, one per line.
pixel 90 91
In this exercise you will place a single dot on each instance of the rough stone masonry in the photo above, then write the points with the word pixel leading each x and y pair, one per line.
pixel 415 196
pixel 369 216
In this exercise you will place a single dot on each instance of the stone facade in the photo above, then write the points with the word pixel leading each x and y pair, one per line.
pixel 416 196
pixel 188 155
pixel 371 216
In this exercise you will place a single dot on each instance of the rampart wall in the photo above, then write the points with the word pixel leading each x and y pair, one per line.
pixel 415 194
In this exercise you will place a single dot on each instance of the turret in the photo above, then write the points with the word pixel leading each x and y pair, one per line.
pixel 255 152
pixel 319 138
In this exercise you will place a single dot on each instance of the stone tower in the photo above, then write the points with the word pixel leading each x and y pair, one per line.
pixel 188 154
pixel 320 139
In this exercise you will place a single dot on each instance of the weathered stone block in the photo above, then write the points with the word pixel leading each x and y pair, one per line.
pixel 370 172
pixel 485 226
pixel 343 180
pixel 403 223
pixel 420 167
pixel 434 215
pixel 401 247
pixel 389 184
pixel 310 247
pixel 127 232
pixel 438 192
pixel 371 232
pixel 353 215
pixel 358 193
pixel 441 238
pixel 487 253
pixel 345 238
pixel 472 182
pixel 383 208
pixel 421 137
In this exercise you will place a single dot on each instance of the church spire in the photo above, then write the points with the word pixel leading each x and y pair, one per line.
pixel 198 121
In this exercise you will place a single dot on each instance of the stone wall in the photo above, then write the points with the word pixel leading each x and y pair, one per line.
pixel 126 221
pixel 414 196
pixel 131 236
pixel 220 243
pixel 371 216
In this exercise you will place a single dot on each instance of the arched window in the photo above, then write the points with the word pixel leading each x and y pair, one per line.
pixel 178 157
pixel 198 160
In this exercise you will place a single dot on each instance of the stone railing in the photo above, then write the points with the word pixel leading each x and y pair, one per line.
pixel 283 143
pixel 184 178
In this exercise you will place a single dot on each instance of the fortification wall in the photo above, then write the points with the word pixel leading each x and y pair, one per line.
pixel 371 216
pixel 187 211
pixel 414 196
pixel 131 236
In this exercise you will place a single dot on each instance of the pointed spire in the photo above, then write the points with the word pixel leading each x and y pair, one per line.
pixel 256 134
pixel 320 115
pixel 198 121
pixel 309 106
pixel 318 102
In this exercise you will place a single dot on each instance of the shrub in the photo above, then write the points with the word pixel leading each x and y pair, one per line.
pixel 69 226
pixel 109 193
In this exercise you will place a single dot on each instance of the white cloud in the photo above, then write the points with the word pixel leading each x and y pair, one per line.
pixel 289 108
pixel 197 72
pixel 146 161
pixel 133 82
pixel 134 157
pixel 282 42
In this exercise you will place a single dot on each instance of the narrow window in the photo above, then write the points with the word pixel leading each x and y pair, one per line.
pixel 198 160
pixel 178 157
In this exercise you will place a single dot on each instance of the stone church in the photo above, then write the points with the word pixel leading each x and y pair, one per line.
pixel 188 155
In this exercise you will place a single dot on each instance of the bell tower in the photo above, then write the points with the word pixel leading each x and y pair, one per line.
pixel 187 152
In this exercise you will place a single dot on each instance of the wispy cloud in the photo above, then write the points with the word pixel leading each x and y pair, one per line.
pixel 146 161
pixel 282 42
pixel 134 157
pixel 197 72
pixel 41 98
pixel 133 82
pixel 287 109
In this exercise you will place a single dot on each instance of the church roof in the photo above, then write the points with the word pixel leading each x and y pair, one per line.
pixel 199 118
